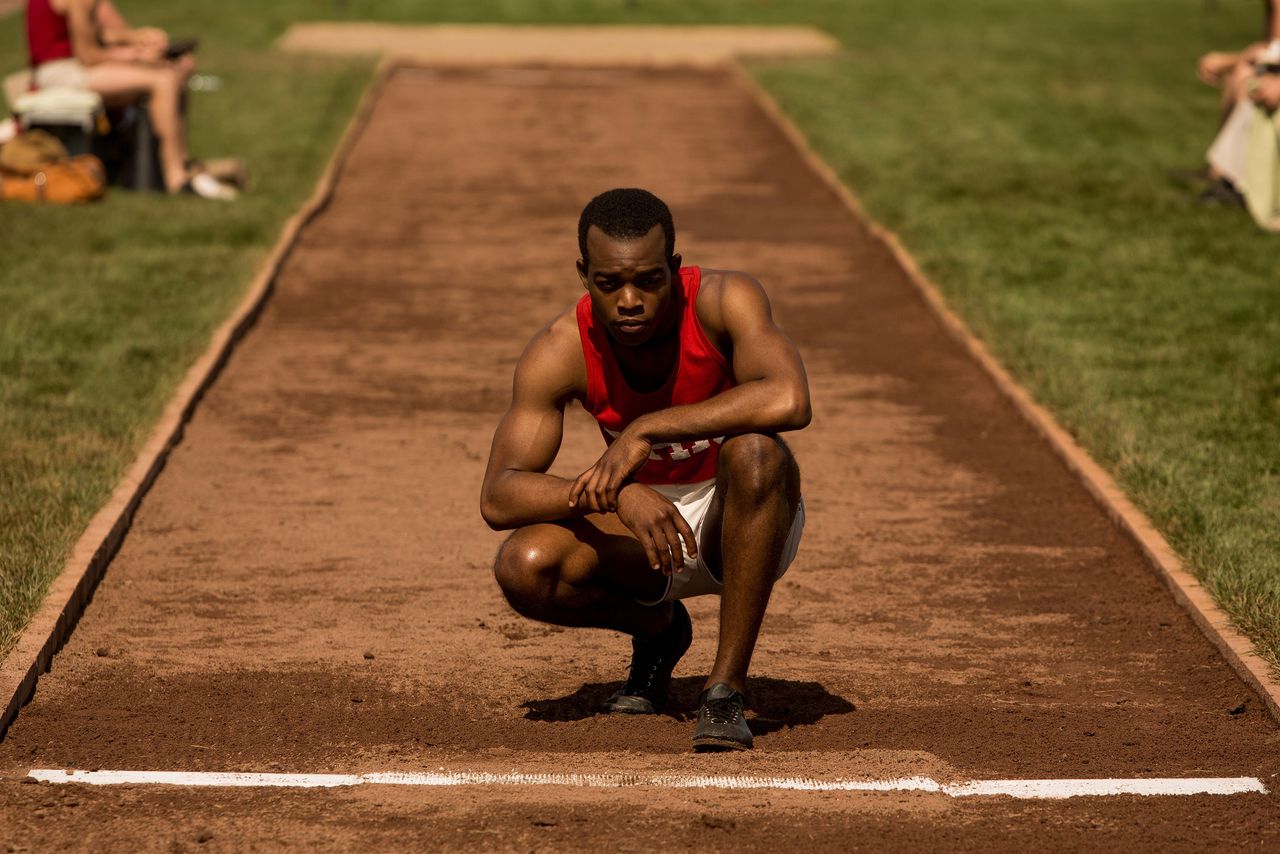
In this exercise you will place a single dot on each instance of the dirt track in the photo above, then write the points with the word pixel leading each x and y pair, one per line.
pixel 959 608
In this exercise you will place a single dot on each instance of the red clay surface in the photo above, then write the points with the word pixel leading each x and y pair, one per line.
pixel 307 587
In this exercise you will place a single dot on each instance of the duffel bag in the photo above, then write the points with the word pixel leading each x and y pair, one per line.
pixel 73 179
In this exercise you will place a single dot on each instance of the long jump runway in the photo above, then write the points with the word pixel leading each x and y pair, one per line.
pixel 306 591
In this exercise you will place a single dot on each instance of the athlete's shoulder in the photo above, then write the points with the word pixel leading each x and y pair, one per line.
pixel 721 282
pixel 553 361
pixel 722 290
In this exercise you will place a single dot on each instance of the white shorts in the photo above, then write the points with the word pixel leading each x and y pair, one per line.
pixel 695 577
pixel 61 74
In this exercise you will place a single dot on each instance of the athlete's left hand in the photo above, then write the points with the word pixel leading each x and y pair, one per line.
pixel 599 485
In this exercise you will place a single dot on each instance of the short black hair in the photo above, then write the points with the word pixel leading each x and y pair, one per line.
pixel 626 213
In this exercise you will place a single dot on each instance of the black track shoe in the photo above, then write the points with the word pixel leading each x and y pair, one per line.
pixel 645 691
pixel 721 724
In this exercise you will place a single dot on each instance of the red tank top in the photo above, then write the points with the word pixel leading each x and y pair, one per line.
pixel 48 37
pixel 701 373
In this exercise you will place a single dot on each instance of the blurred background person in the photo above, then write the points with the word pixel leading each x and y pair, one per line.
pixel 88 44
pixel 1244 159
pixel 1228 71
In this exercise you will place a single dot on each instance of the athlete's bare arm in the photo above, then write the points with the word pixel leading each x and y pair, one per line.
pixel 517 490
pixel 772 394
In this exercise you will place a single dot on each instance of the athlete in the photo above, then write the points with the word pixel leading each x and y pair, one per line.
pixel 691 382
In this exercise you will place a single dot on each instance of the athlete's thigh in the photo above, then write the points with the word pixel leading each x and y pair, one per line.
pixel 599 549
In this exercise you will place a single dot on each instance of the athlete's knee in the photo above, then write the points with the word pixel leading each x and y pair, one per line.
pixel 757 465
pixel 526 572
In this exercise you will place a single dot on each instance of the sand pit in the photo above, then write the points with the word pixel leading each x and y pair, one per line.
pixel 598 45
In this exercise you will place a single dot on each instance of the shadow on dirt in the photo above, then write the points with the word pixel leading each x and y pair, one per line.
pixel 776 703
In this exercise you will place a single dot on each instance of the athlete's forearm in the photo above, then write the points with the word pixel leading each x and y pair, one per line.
pixel 759 406
pixel 519 498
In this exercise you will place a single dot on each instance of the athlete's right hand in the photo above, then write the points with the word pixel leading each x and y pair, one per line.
pixel 658 526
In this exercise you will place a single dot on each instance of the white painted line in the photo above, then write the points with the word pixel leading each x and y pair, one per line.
pixel 617 781
pixel 1094 787
pixel 195 778
pixel 1035 789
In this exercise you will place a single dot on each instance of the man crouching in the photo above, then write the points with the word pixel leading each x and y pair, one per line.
pixel 691 382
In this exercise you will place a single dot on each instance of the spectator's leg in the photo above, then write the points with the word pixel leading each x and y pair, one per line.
pixel 1234 88
pixel 119 82
pixel 184 66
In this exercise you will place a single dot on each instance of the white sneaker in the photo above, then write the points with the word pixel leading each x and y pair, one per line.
pixel 206 186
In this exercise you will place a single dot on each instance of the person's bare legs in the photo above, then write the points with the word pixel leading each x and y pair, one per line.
pixel 592 572
pixel 746 529
pixel 119 82
pixel 1234 87
pixel 586 572
pixel 184 67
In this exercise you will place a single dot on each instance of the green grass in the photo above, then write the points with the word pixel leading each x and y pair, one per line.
pixel 1018 149
pixel 104 307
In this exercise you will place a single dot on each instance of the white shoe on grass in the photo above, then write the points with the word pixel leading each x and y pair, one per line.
pixel 206 186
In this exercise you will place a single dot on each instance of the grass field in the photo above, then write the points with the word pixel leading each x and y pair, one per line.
pixel 1018 149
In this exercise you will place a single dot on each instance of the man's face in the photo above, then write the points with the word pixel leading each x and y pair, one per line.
pixel 630 284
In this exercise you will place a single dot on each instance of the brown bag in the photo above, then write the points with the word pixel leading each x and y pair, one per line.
pixel 75 179
pixel 30 151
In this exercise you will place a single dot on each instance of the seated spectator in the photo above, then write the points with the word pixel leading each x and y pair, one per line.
pixel 1245 157
pixel 1229 71
pixel 1241 166
pixel 88 44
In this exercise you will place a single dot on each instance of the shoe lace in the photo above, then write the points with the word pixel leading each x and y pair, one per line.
pixel 642 673
pixel 646 661
pixel 724 710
